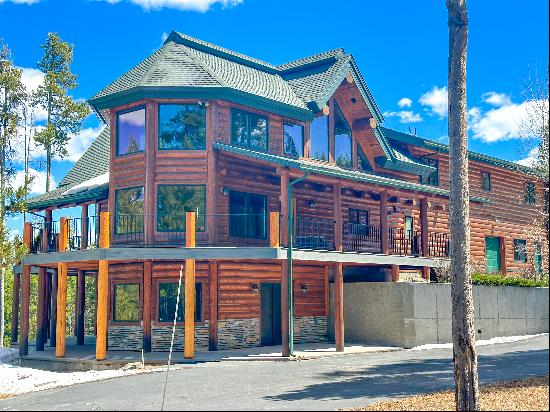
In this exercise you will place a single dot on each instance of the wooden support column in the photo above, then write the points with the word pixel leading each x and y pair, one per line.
pixel 47 314
pixel 338 225
pixel 212 169
pixel 332 143
pixel 41 309
pixel 424 228
pixel 150 160
pixel 285 182
pixel 25 295
pixel 213 318
pixel 285 305
pixel 190 242
pixel 80 305
pixel 15 308
pixel 384 234
pixel 339 306
pixel 503 262
pixel 84 227
pixel 147 284
pixel 53 309
pixel 62 273
pixel 426 273
pixel 394 273
pixel 102 312
pixel 274 229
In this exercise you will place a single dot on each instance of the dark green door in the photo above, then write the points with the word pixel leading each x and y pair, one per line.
pixel 271 314
pixel 492 254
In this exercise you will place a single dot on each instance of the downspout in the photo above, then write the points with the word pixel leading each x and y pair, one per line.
pixel 290 265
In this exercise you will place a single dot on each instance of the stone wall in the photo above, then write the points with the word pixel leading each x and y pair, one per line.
pixel 310 329
pixel 125 338
pixel 161 336
pixel 238 333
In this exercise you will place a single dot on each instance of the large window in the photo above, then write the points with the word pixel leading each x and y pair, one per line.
pixel 520 250
pixel 168 295
pixel 319 139
pixel 342 140
pixel 129 211
pixel 364 164
pixel 172 203
pixel 294 139
pixel 182 127
pixel 359 217
pixel 538 258
pixel 530 194
pixel 126 301
pixel 130 135
pixel 433 178
pixel 248 129
pixel 486 181
pixel 247 215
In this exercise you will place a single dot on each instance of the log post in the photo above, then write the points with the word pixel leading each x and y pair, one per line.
pixel 102 311
pixel 285 182
pixel 426 273
pixel 150 160
pixel 394 273
pixel 213 319
pixel 62 272
pixel 424 229
pixel 15 308
pixel 25 295
pixel 41 309
pixel 274 230
pixel 190 242
pixel 84 227
pixel 285 306
pixel 338 224
pixel 339 306
pixel 384 233
pixel 80 305
pixel 331 142
pixel 212 170
pixel 53 309
pixel 147 280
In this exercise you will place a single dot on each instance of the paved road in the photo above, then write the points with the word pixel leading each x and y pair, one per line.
pixel 322 384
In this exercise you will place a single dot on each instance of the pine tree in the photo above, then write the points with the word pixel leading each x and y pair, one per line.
pixel 65 115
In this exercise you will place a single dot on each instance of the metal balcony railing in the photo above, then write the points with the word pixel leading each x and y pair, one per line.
pixel 312 233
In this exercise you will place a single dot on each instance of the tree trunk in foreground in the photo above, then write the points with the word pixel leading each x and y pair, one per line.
pixel 464 352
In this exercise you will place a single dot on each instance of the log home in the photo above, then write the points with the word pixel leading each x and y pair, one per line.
pixel 252 177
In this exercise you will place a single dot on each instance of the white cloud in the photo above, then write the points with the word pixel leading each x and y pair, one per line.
pixel 405 116
pixel 163 37
pixel 503 123
pixel 196 5
pixel 20 1
pixel 531 158
pixel 80 142
pixel 38 185
pixel 497 99
pixel 436 100
pixel 404 102
pixel 32 78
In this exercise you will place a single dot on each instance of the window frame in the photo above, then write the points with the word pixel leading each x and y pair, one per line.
pixel 198 227
pixel 303 147
pixel 249 129
pixel 159 126
pixel 357 213
pixel 362 156
pixel 434 163
pixel 530 198
pixel 488 174
pixel 311 154
pixel 518 254
pixel 247 195
pixel 199 300
pixel 338 110
pixel 117 137
pixel 112 317
pixel 117 213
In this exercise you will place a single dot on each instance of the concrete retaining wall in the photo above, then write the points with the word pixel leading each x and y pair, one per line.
pixel 412 314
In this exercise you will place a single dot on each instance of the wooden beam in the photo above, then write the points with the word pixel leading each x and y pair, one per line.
pixel 190 242
pixel 41 309
pixel 150 160
pixel 424 228
pixel 285 182
pixel 212 170
pixel 331 142
pixel 80 305
pixel 53 309
pixel 426 273
pixel 62 269
pixel 25 308
pixel 338 226
pixel 102 311
pixel 147 285
pixel 213 316
pixel 394 273
pixel 84 227
pixel 384 235
pixel 503 262
pixel 339 306
pixel 274 229
pixel 15 308
pixel 285 305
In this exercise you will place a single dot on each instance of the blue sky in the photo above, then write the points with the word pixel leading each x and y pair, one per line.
pixel 400 47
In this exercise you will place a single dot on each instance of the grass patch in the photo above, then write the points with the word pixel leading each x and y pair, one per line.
pixel 521 395
pixel 503 280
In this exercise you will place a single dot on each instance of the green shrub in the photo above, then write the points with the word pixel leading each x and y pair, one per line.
pixel 502 280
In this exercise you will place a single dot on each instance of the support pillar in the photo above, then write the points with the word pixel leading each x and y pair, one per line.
pixel 274 229
pixel 424 236
pixel 190 242
pixel 80 305
pixel 213 321
pixel 384 233
pixel 426 273
pixel 339 306
pixel 15 308
pixel 338 225
pixel 25 309
pixel 102 311
pixel 285 307
pixel 62 273
pixel 84 227
pixel 41 309
pixel 53 309
pixel 285 182
pixel 394 273
pixel 147 280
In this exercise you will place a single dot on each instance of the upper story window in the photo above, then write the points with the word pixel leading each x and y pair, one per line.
pixel 486 181
pixel 129 211
pixel 433 178
pixel 342 140
pixel 172 203
pixel 520 250
pixel 130 131
pixel 364 164
pixel 319 138
pixel 359 217
pixel 182 127
pixel 294 139
pixel 249 129
pixel 530 194
pixel 247 215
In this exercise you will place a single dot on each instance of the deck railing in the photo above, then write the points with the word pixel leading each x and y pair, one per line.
pixel 362 238
pixel 438 245
pixel 44 237
pixel 312 233
pixel 81 237
pixel 404 242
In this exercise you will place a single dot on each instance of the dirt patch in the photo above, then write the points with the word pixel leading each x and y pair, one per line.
pixel 521 395
pixel 5 396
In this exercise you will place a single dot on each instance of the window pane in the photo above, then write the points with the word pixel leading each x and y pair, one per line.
pixel 520 250
pixel 294 139
pixel 131 132
pixel 239 128
pixel 530 197
pixel 342 140
pixel 168 293
pixel 172 203
pixel 126 301
pixel 319 139
pixel 182 127
pixel 486 181
pixel 129 211
pixel 432 179
pixel 258 131
pixel 364 164
pixel 247 215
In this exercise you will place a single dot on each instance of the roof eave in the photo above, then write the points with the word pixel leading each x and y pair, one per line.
pixel 406 167
pixel 99 193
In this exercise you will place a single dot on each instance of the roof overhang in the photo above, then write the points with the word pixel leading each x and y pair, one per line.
pixel 95 194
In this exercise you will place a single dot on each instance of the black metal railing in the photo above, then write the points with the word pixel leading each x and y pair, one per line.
pixel 83 237
pixel 44 237
pixel 361 238
pixel 438 245
pixel 404 242
pixel 312 233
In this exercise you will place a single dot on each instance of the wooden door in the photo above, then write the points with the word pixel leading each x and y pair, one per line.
pixel 271 314
pixel 492 254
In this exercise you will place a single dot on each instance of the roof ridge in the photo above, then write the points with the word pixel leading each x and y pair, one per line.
pixel 202 64
pixel 314 58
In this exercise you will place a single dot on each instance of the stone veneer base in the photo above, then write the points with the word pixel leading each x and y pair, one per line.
pixel 162 335
pixel 238 333
pixel 125 338
pixel 310 329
